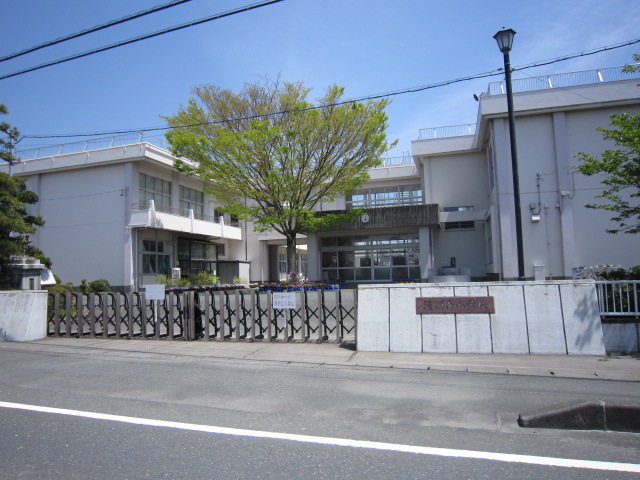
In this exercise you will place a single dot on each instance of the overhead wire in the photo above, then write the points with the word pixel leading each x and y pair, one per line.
pixel 421 88
pixel 142 37
pixel 96 28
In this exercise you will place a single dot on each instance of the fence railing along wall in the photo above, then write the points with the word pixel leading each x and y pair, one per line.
pixel 209 315
pixel 619 300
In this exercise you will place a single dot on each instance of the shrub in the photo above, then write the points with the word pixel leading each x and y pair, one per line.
pixel 99 286
pixel 632 273
pixel 60 288
pixel 203 278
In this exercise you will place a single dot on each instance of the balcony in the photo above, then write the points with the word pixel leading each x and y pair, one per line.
pixel 178 220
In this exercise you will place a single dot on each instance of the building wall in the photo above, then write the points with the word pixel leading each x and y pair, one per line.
pixel 85 213
pixel 466 185
pixel 590 225
pixel 558 231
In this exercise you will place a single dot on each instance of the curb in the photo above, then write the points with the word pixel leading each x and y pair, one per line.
pixel 591 415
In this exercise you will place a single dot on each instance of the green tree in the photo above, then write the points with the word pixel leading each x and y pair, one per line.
pixel 621 168
pixel 270 156
pixel 15 223
pixel 10 138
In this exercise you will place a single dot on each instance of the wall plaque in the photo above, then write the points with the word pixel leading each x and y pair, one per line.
pixel 455 305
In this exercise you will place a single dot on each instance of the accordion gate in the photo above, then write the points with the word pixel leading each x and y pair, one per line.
pixel 241 315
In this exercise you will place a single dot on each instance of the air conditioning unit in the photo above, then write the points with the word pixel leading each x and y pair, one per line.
pixel 175 273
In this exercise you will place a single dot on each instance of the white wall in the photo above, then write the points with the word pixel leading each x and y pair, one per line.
pixel 23 315
pixel 590 225
pixel 530 318
pixel 567 234
pixel 458 180
pixel 84 214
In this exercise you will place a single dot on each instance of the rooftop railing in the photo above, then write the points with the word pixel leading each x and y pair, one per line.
pixel 93 144
pixel 404 159
pixel 448 131
pixel 543 82
pixel 559 80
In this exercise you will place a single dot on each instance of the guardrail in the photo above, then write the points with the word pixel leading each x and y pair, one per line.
pixel 210 315
pixel 447 131
pixel 619 300
pixel 559 80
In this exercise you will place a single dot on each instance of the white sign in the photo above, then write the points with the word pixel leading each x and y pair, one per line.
pixel 154 292
pixel 284 300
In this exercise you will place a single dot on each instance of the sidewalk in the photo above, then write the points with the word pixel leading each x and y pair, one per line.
pixel 623 368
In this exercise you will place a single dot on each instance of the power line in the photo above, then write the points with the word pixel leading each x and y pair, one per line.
pixel 143 37
pixel 421 88
pixel 97 28
pixel 271 114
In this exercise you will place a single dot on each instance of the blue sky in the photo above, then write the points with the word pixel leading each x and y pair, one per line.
pixel 368 46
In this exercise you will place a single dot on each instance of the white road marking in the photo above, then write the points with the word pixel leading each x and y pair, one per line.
pixel 341 442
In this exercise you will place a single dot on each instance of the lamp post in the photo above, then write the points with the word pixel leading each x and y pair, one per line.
pixel 505 41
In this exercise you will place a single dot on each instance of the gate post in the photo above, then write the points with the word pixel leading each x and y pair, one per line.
pixel 190 316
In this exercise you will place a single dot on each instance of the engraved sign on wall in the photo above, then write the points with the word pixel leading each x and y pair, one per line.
pixel 440 305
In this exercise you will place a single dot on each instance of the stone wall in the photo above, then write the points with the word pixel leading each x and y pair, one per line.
pixel 546 317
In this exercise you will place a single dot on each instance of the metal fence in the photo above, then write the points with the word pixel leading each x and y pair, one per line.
pixel 447 131
pixel 319 316
pixel 619 300
pixel 586 77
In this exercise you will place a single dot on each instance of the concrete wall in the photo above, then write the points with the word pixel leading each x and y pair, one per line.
pixel 23 315
pixel 553 317
pixel 621 337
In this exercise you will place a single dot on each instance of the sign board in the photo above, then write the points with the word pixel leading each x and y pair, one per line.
pixel 440 305
pixel 284 300
pixel 154 292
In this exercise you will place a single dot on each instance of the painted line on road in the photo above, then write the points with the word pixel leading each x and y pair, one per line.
pixel 340 442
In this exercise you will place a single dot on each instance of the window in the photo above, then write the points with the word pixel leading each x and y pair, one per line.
pixel 191 199
pixel 457 226
pixel 197 256
pixel 371 258
pixel 282 262
pixel 156 189
pixel 156 257
pixel 468 208
pixel 385 196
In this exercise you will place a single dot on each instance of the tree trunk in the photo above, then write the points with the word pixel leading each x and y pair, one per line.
pixel 291 255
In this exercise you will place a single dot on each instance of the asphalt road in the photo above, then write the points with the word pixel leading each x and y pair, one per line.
pixel 311 405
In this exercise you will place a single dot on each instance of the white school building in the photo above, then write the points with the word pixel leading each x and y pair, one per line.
pixel 124 213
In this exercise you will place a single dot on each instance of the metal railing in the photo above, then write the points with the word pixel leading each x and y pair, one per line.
pixel 208 315
pixel 619 300
pixel 92 144
pixel 447 131
pixel 404 159
pixel 181 212
pixel 559 80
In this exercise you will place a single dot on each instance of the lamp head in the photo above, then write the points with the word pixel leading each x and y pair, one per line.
pixel 505 39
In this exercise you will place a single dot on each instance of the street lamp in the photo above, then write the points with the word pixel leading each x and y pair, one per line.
pixel 505 41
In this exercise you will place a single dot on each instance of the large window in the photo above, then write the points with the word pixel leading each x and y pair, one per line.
pixel 156 189
pixel 156 257
pixel 191 199
pixel 371 258
pixel 196 256
pixel 385 196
